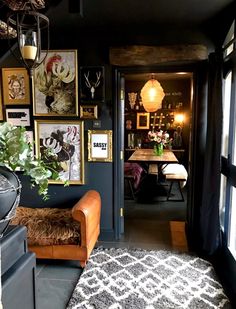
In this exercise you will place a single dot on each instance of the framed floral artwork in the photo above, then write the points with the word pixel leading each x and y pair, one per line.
pixel 15 83
pixel 55 85
pixel 92 84
pixel 65 139
pixel 100 145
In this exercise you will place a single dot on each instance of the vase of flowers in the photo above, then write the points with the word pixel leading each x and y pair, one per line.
pixel 158 149
pixel 160 139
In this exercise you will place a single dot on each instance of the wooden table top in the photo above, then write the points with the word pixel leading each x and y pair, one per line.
pixel 147 155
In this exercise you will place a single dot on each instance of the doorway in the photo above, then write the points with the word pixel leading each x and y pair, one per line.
pixel 146 206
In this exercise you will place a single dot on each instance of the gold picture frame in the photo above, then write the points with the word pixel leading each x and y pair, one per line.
pixel 88 111
pixel 143 121
pixel 16 86
pixel 65 138
pixel 100 145
pixel 1 107
pixel 55 85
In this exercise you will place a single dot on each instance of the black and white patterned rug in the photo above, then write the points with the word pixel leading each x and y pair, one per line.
pixel 141 279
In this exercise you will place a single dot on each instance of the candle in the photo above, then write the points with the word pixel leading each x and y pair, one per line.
pixel 29 52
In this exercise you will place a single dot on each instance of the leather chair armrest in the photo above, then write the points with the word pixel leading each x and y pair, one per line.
pixel 88 211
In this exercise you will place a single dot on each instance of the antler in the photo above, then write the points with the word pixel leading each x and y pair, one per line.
pixel 92 85
pixel 87 82
pixel 98 74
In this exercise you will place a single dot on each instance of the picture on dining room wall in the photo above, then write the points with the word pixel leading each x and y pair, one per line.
pixel 65 139
pixel 143 121
pixel 15 83
pixel 92 84
pixel 55 84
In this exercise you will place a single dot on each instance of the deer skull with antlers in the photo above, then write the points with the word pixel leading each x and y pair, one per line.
pixel 91 84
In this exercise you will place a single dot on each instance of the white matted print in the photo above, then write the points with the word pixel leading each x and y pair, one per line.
pixel 18 116
pixel 65 139
pixel 100 145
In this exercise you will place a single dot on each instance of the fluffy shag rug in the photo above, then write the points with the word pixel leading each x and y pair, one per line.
pixel 141 279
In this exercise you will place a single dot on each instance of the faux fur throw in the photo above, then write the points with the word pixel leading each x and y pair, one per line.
pixel 48 226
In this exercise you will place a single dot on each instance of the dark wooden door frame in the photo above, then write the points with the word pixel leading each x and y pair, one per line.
pixel 193 147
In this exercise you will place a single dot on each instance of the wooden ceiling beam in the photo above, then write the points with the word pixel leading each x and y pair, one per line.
pixel 153 55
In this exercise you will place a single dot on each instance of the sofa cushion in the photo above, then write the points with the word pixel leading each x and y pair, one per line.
pixel 176 169
pixel 48 226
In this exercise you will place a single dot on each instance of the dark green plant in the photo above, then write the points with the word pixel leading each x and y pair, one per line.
pixel 16 153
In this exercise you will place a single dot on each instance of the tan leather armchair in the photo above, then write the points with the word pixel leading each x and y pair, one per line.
pixel 79 227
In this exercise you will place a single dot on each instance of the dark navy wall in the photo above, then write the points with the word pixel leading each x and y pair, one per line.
pixel 93 50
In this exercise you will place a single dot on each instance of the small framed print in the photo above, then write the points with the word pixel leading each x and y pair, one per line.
pixel 18 116
pixel 100 145
pixel 92 84
pixel 88 111
pixel 16 89
pixel 143 121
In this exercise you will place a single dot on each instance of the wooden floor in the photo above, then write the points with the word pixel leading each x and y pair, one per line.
pixel 178 236
pixel 155 234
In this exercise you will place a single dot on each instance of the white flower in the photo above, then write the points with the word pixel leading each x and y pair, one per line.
pixel 159 137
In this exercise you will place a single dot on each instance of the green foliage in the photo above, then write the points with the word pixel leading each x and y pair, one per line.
pixel 16 153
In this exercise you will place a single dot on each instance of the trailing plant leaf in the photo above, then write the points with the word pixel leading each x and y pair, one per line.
pixel 16 153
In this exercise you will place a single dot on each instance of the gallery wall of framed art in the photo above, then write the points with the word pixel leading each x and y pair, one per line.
pixel 60 97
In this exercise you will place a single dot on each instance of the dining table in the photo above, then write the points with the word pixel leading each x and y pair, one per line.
pixel 147 156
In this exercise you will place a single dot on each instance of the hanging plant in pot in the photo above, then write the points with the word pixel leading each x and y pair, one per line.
pixel 16 154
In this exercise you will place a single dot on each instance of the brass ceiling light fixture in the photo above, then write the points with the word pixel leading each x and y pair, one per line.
pixel 152 95
pixel 32 30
